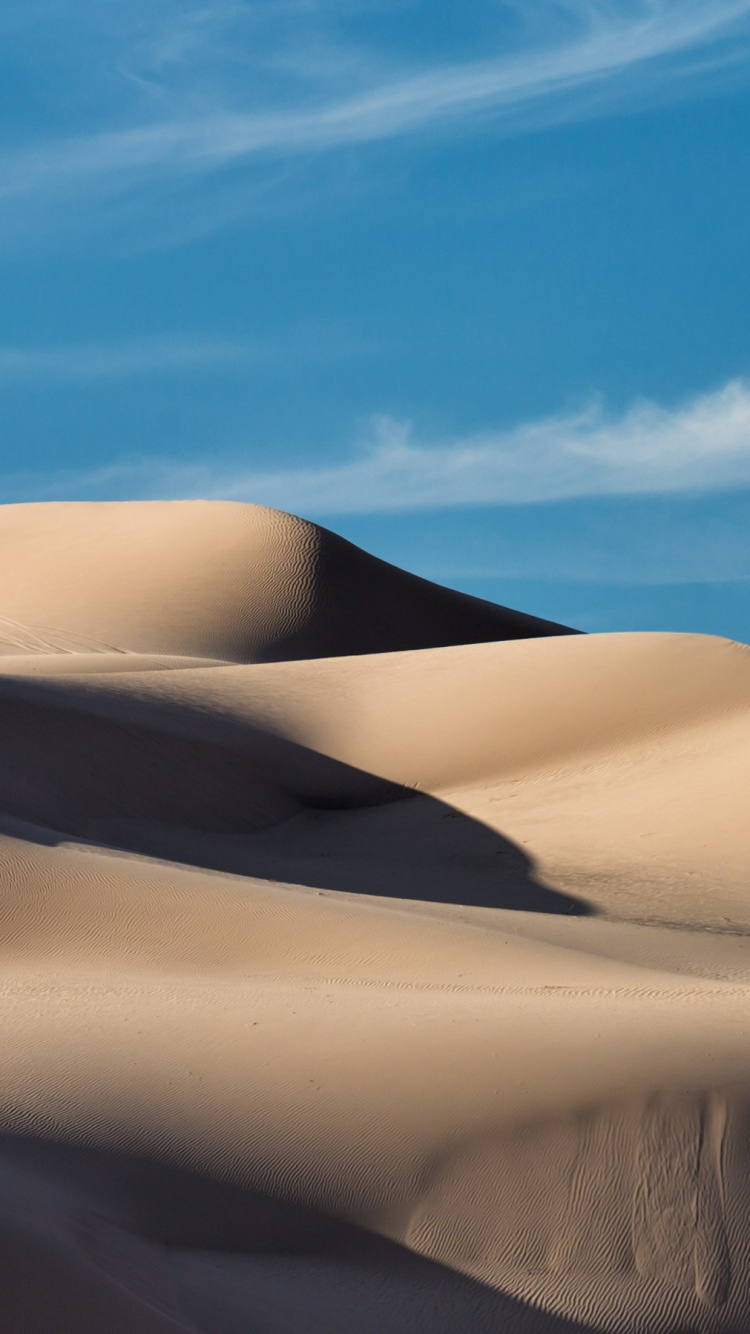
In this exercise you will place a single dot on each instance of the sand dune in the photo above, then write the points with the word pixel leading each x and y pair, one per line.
pixel 235 582
pixel 375 958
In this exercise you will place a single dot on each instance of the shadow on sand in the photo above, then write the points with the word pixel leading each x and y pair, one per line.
pixel 416 847
pixel 104 1239
pixel 249 802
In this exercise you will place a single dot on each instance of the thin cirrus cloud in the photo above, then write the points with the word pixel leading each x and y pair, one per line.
pixel 598 41
pixel 700 446
pixel 98 361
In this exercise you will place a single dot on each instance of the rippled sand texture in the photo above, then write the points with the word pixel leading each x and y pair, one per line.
pixel 375 959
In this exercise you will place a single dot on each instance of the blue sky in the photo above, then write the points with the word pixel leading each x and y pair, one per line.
pixel 468 284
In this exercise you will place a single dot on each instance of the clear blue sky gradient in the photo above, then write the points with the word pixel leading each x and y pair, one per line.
pixel 468 284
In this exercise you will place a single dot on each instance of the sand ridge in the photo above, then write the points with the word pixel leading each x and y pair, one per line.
pixel 220 580
pixel 374 957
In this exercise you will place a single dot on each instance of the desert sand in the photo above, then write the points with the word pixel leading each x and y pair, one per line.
pixel 375 959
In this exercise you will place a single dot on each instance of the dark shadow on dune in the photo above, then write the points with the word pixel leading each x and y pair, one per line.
pixel 415 848
pixel 107 1239
pixel 238 799
pixel 363 604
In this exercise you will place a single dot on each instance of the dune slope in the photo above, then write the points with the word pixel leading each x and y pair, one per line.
pixel 218 580
pixel 373 958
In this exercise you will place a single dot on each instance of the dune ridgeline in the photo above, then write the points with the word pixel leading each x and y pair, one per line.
pixel 375 959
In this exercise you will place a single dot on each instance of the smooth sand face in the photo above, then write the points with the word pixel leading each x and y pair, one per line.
pixel 365 966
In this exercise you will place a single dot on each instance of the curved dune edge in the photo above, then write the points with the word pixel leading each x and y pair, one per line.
pixel 375 985
pixel 213 579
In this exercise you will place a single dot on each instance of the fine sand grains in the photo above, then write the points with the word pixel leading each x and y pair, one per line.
pixel 374 958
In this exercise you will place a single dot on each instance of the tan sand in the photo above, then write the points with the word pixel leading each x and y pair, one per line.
pixel 366 966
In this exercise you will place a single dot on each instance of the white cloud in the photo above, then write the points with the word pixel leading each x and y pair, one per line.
pixel 119 360
pixel 597 41
pixel 701 446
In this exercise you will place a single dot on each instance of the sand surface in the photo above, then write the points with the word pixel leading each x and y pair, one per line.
pixel 375 959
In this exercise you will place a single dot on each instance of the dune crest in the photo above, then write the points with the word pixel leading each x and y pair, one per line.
pixel 214 579
pixel 375 958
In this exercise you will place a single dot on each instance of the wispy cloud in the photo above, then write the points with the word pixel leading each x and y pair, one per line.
pixel 120 360
pixel 700 446
pixel 591 43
